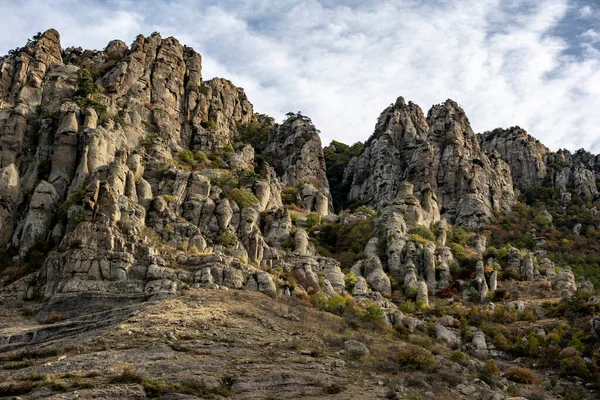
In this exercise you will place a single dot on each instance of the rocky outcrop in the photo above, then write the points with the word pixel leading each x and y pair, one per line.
pixel 565 283
pixel 294 150
pixel 525 155
pixel 533 164
pixel 440 156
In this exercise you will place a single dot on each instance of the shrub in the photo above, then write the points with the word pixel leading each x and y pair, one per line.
pixel 256 132
pixel 415 357
pixel 77 218
pixel 187 156
pixel 408 307
pixel 422 231
pixel 217 161
pixel 75 198
pixel 209 125
pixel 366 210
pixel 418 239
pixel 337 304
pixel 490 368
pixel 522 375
pixel 350 280
pixel 149 139
pixel 312 219
pixel 458 357
pixel 319 300
pixel 289 196
pixel 201 157
pixel 243 197
pixel 374 314
pixel 58 385
pixel 227 239
pixel 458 234
pixel 337 156
pixel 288 244
pixel 571 363
pixel 334 388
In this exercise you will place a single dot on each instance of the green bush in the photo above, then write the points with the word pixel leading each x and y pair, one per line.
pixel 243 197
pixel 187 156
pixel 201 157
pixel 415 357
pixel 149 139
pixel 418 239
pixel 374 314
pixel 337 304
pixel 350 280
pixel 320 301
pixel 227 239
pixel 423 232
pixel 256 132
pixel 408 307
pixel 75 198
pixel 366 210
pixel 571 363
pixel 337 156
pixel 458 357
pixel 458 234
pixel 345 242
pixel 312 219
pixel 217 161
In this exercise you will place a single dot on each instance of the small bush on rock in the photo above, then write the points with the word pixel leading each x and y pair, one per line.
pixel 522 375
pixel 243 197
pixel 415 357
pixel 423 232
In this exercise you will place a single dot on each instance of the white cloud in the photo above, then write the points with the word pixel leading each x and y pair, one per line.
pixel 591 35
pixel 343 63
pixel 586 12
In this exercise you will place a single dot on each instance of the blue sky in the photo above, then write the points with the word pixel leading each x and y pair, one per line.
pixel 532 63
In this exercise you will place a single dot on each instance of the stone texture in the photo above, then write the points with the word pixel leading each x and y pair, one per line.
pixel 294 150
pixel 440 155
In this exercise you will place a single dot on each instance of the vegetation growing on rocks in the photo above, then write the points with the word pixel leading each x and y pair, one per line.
pixel 124 177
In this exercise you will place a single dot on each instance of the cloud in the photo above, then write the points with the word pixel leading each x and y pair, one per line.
pixel 342 63
pixel 587 12
pixel 591 35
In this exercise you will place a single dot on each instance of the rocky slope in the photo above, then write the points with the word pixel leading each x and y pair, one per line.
pixel 125 177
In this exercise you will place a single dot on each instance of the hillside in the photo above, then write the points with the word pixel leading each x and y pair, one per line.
pixel 160 238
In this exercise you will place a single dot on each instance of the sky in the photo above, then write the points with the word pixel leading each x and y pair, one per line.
pixel 532 63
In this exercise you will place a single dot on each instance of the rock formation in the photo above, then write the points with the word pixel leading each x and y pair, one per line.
pixel 440 156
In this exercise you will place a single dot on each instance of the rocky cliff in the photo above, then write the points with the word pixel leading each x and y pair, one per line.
pixel 533 164
pixel 440 155
pixel 130 169
pixel 124 176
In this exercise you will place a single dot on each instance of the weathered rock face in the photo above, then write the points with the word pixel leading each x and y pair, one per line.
pixel 533 164
pixel 440 156
pixel 106 164
pixel 22 74
pixel 525 155
pixel 295 152
pixel 137 175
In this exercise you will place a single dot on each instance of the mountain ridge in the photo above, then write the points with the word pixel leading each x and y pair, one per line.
pixel 126 178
